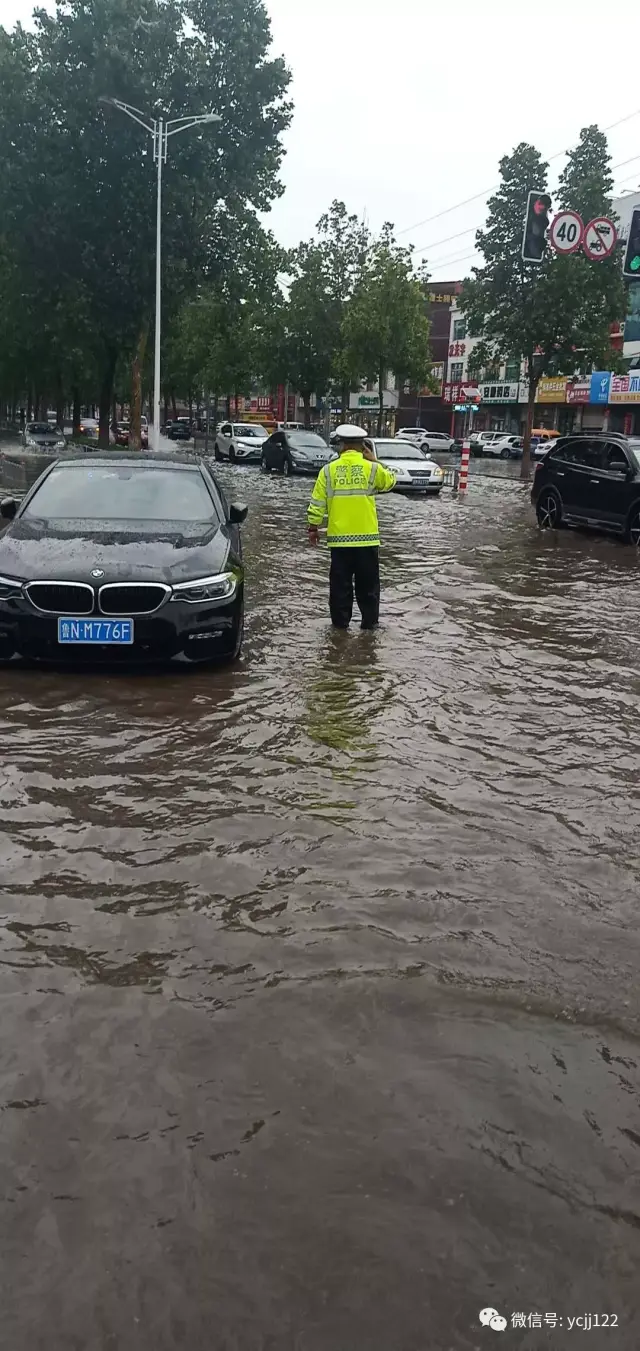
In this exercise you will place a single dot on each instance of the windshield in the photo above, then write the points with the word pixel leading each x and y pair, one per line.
pixel 248 429
pixel 398 450
pixel 40 428
pixel 122 492
pixel 305 441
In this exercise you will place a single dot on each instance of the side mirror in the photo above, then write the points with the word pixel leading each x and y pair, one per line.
pixel 238 513
pixel 8 508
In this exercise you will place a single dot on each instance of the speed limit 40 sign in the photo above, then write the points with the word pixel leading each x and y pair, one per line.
pixel 567 232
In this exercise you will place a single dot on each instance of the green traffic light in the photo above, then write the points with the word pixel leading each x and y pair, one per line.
pixel 634 265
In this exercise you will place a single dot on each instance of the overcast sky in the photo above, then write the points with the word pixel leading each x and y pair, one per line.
pixel 404 107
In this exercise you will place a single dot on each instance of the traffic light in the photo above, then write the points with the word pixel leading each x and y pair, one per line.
pixel 536 224
pixel 632 256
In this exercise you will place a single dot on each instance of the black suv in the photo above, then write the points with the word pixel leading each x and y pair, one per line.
pixel 590 480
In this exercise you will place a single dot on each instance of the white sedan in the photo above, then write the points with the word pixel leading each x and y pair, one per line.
pixel 426 440
pixel 506 447
pixel 240 441
pixel 414 471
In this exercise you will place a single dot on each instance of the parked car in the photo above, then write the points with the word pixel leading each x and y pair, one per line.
pixel 415 472
pixel 134 557
pixel 289 452
pixel 89 428
pixel 505 447
pixel 437 441
pixel 481 439
pixel 178 430
pixel 240 441
pixel 590 480
pixel 410 434
pixel 122 432
pixel 42 436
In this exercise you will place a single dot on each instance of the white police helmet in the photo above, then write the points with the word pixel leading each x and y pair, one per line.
pixel 349 432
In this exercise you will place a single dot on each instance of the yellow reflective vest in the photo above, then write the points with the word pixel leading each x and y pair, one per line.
pixel 344 493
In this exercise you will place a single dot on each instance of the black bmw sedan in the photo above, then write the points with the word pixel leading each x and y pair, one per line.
pixel 116 557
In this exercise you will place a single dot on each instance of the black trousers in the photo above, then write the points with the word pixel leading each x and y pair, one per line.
pixel 359 566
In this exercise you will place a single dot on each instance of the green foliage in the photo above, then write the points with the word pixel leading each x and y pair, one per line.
pixel 557 314
pixel 77 183
pixel 386 327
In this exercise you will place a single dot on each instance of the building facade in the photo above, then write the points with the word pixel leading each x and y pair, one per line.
pixel 423 408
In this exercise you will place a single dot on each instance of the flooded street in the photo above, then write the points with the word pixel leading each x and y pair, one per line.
pixel 319 976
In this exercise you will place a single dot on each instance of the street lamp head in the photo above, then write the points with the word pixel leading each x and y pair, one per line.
pixel 212 117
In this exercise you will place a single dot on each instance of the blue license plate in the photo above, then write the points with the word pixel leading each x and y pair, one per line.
pixel 98 631
pixel 421 482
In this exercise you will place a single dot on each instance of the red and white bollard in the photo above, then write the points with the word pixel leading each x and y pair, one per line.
pixel 463 481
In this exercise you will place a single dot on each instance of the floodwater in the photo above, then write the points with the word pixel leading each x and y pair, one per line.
pixel 319 975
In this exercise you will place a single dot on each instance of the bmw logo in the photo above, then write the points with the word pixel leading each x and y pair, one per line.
pixel 97 572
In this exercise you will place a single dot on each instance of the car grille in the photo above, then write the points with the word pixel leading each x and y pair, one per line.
pixel 132 598
pixel 419 473
pixel 72 598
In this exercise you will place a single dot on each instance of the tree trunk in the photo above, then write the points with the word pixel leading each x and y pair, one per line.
pixel 166 410
pixel 174 406
pixel 137 366
pixel 306 399
pixel 525 463
pixel 76 415
pixel 59 401
pixel 228 407
pixel 380 401
pixel 344 402
pixel 106 394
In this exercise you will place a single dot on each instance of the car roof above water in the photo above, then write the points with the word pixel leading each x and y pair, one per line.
pixel 139 459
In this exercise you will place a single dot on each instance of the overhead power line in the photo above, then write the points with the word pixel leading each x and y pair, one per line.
pixel 457 205
pixel 424 248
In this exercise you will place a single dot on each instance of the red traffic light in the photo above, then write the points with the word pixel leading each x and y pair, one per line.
pixel 539 207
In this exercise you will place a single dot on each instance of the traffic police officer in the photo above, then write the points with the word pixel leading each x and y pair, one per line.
pixel 344 492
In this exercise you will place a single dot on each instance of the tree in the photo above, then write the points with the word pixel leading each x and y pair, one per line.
pixel 386 327
pixel 556 314
pixel 77 188
pixel 344 243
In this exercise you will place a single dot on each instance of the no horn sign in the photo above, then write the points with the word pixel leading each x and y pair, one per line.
pixel 568 233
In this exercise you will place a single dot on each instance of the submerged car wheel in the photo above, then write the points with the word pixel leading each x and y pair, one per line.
pixel 264 466
pixel 549 510
pixel 505 453
pixel 633 528
pixel 234 654
pixel 217 453
pixel 286 468
pixel 232 454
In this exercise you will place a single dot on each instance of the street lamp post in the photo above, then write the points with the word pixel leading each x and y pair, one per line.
pixel 160 131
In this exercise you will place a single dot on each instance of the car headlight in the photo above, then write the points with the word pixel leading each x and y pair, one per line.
pixel 10 587
pixel 219 587
pixel 436 473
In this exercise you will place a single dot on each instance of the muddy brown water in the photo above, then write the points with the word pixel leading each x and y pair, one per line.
pixel 319 975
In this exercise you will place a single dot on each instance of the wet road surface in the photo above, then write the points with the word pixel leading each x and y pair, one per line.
pixel 319 976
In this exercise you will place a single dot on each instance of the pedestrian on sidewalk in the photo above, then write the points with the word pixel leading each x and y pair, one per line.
pixel 344 492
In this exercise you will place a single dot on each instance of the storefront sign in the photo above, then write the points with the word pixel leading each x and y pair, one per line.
pixel 600 381
pixel 372 400
pixel 461 393
pixel 578 391
pixel 552 389
pixel 499 393
pixel 625 388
